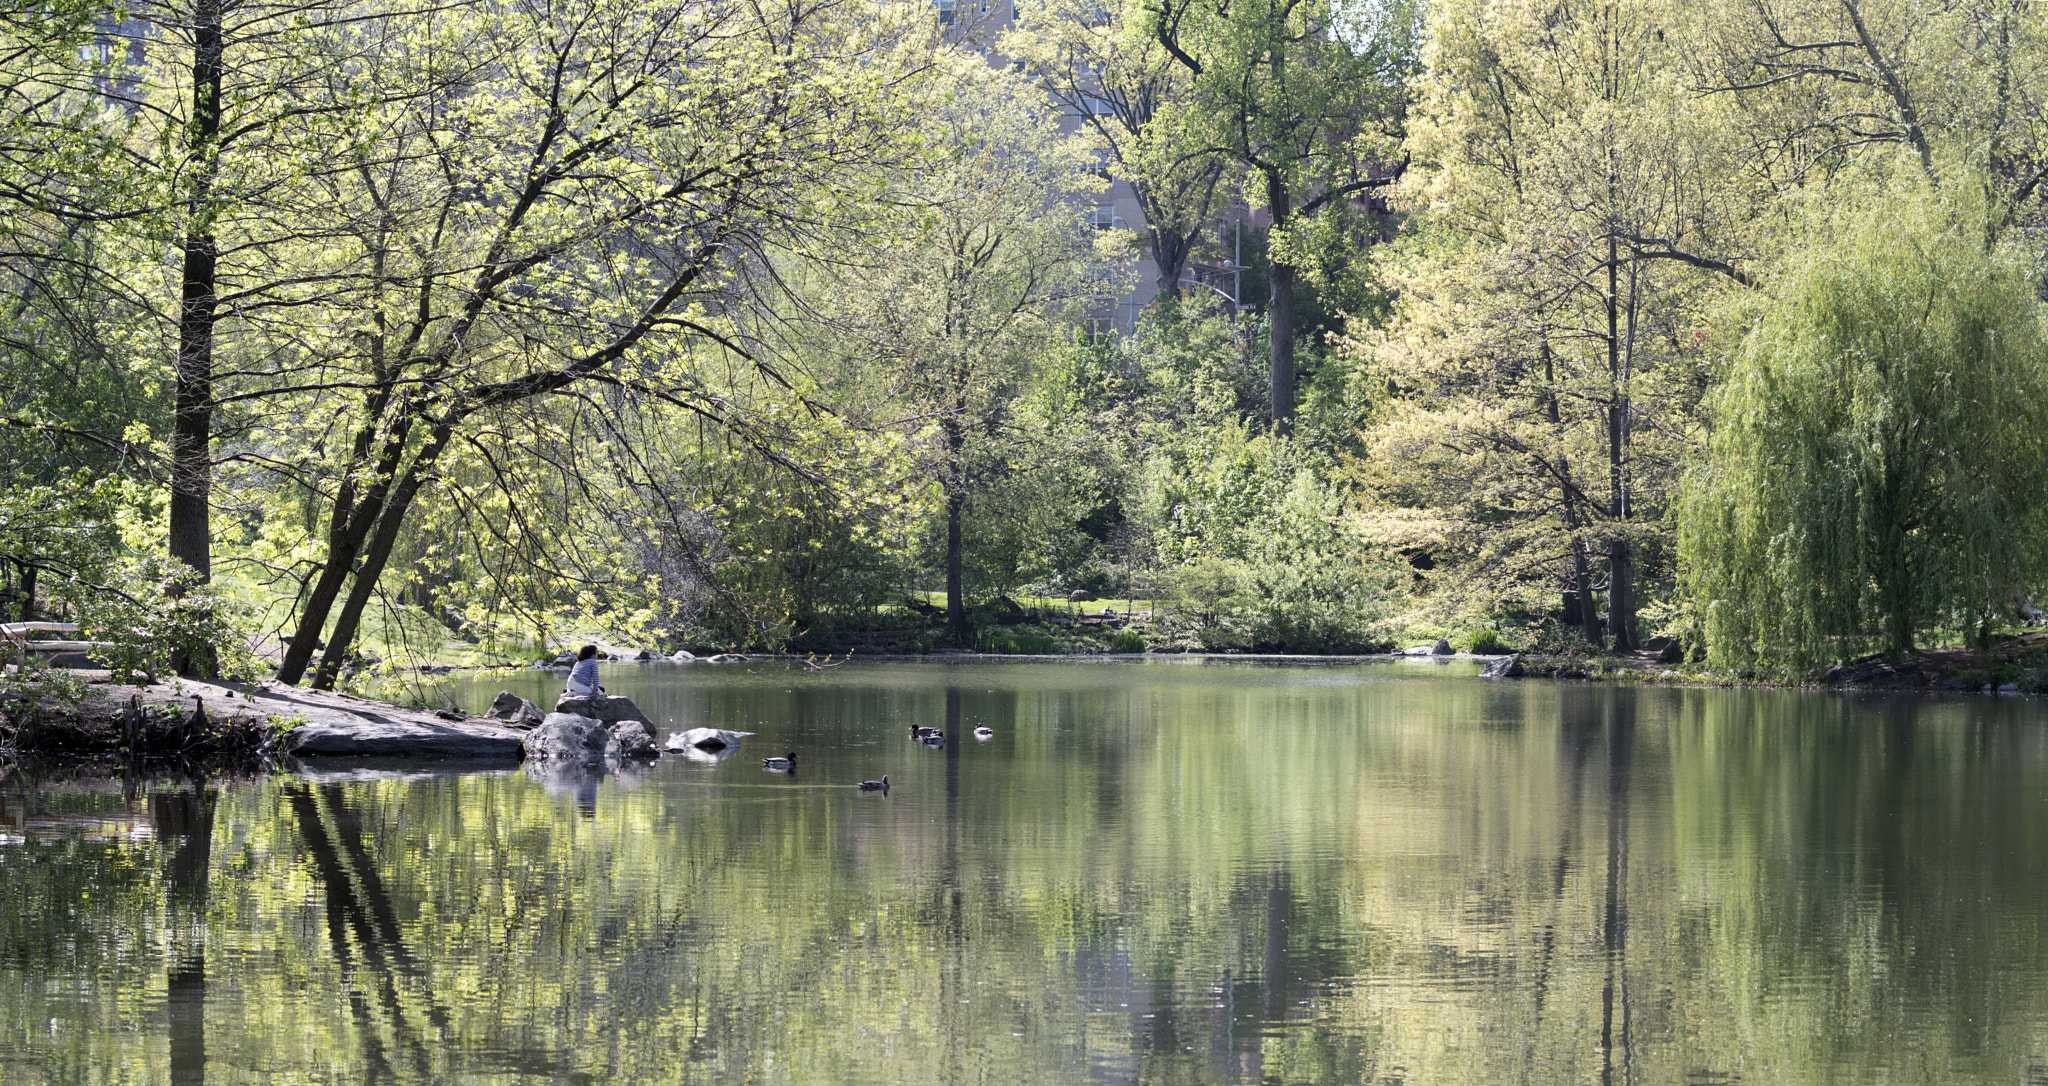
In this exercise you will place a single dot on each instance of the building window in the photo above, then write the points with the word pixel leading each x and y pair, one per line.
pixel 948 11
pixel 1096 106
pixel 1102 218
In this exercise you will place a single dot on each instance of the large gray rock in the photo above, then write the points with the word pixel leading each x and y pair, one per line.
pixel 369 734
pixel 515 710
pixel 634 740
pixel 1441 648
pixel 603 707
pixel 1668 650
pixel 705 739
pixel 1506 667
pixel 568 737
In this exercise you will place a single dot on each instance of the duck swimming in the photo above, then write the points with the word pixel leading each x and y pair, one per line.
pixel 919 731
pixel 875 786
pixel 786 762
pixel 984 732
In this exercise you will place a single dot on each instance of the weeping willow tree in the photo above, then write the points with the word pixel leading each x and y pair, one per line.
pixel 1878 449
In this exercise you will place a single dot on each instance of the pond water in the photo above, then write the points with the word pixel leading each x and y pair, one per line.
pixel 1159 872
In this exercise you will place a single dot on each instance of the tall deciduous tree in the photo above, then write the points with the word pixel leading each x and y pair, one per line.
pixel 213 122
pixel 573 216
pixel 1878 445
pixel 233 109
pixel 1820 88
pixel 1307 97
pixel 1546 353
pixel 987 265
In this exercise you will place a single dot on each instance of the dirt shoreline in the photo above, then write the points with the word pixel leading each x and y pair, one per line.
pixel 164 719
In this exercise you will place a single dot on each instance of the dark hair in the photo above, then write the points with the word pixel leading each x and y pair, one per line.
pixel 587 652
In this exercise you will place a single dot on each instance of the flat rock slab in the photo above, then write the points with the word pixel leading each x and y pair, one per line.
pixel 387 738
pixel 339 725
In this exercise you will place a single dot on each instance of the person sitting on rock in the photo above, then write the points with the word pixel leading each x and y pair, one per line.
pixel 583 677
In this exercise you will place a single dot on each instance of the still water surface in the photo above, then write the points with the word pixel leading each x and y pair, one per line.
pixel 1162 872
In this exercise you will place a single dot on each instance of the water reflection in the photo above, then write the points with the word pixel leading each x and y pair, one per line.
pixel 1149 874
pixel 183 822
pixel 577 781
pixel 387 989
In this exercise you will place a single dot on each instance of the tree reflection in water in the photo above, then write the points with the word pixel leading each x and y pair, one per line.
pixel 383 978
pixel 183 823
pixel 1154 874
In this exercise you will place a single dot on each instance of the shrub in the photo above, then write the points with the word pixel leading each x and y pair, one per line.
pixel 1127 641
pixel 1488 642
pixel 1020 643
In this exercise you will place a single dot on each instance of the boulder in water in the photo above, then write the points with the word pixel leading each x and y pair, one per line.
pixel 705 739
pixel 604 707
pixel 515 710
pixel 634 740
pixel 568 737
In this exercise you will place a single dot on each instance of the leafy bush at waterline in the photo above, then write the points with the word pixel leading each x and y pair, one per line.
pixel 1488 642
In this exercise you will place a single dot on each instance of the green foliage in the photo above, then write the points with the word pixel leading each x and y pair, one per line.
pixel 1878 447
pixel 1127 641
pixel 1488 642
pixel 158 616
pixel 30 690
pixel 1254 542
pixel 1020 643
pixel 144 607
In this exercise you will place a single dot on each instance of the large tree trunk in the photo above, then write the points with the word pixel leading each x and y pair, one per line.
pixel 1621 609
pixel 1621 595
pixel 1280 307
pixel 1280 318
pixel 191 533
pixel 348 528
pixel 954 427
pixel 191 521
pixel 956 604
pixel 1589 614
pixel 1170 249
pixel 375 556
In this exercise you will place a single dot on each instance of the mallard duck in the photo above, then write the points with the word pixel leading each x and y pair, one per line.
pixel 787 761
pixel 919 731
pixel 984 732
pixel 935 739
pixel 875 786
